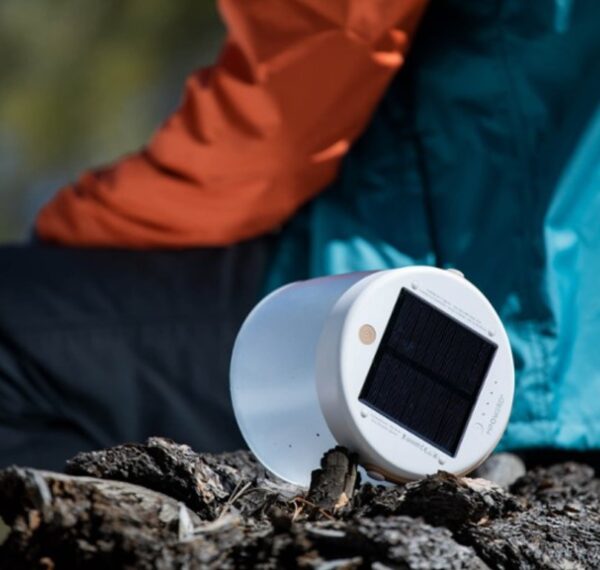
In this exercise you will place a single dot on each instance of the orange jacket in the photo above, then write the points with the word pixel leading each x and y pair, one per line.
pixel 257 135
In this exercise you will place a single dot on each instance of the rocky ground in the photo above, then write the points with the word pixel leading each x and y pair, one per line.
pixel 160 505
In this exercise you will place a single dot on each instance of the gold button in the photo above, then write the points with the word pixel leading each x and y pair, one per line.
pixel 367 334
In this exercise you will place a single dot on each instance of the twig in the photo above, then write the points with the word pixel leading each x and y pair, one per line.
pixel 235 495
pixel 325 513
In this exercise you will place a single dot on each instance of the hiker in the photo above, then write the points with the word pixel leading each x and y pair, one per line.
pixel 329 137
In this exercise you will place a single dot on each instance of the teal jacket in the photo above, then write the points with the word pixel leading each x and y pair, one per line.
pixel 484 155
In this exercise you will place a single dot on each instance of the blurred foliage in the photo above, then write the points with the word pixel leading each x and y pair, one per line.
pixel 83 81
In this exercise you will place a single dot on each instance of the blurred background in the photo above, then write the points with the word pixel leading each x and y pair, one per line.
pixel 82 82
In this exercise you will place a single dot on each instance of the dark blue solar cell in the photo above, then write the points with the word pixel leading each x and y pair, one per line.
pixel 427 372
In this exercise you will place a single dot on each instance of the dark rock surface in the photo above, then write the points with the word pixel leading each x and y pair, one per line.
pixel 160 505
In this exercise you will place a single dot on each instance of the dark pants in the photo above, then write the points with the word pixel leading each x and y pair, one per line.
pixel 99 347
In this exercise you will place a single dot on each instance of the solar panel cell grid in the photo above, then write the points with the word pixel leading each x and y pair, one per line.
pixel 427 372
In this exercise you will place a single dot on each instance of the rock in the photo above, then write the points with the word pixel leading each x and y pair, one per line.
pixel 58 521
pixel 450 501
pixel 501 468
pixel 558 484
pixel 391 542
pixel 160 505
pixel 202 481
pixel 442 500
pixel 538 538
pixel 559 526
pixel 332 486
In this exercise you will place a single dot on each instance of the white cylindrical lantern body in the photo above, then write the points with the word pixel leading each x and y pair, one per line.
pixel 273 376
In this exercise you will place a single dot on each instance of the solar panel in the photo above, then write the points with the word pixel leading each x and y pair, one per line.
pixel 427 372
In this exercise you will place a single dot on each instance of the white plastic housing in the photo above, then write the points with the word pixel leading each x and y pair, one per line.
pixel 299 363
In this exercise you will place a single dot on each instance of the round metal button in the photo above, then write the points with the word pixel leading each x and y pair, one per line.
pixel 367 334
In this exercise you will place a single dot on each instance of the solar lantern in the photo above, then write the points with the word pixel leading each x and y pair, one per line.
pixel 409 368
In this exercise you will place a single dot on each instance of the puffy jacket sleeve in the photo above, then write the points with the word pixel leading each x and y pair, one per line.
pixel 257 134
